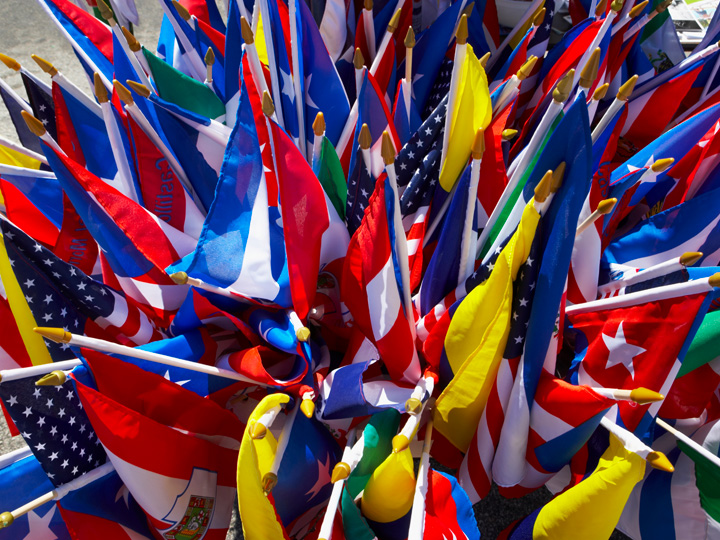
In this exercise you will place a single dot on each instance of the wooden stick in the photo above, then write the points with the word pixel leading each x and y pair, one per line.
pixel 640 395
pixel 604 208
pixel 270 478
pixel 687 440
pixel 326 528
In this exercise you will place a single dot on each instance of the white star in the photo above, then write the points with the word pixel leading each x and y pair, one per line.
pixel 61 413
pixel 72 270
pixel 53 456
pixel 82 452
pixel 71 421
pixel 40 446
pixel 428 131
pixel 49 403
pixel 621 352
pixel 48 262
pixel 53 430
pixel 39 527
pixel 27 412
pixel 63 311
pixel 125 494
pixel 518 339
pixel 89 298
pixel 29 282
pixel 74 446
pixel 323 478
pixel 64 438
pixel 37 247
pixel 75 470
pixel 13 401
pixel 523 302
pixel 529 262
pixel 81 286
pixel 308 99
pixel 287 86
pixel 47 317
pixel 491 266
pixel 48 299
pixel 41 421
pixel 65 464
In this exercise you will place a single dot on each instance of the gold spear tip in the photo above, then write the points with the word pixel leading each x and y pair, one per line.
pixel 662 165
pixel 257 430
pixel 540 17
pixel 690 258
pixel 58 335
pixel 106 12
pixel 662 7
pixel 714 280
pixel 302 334
pixel 399 443
pixel 358 59
pixel 246 31
pixel 319 124
pixel 478 146
pixel 388 149
pixel 340 472
pixel 54 378
pixel 365 139
pixel 590 70
pixel 468 9
pixel 410 38
pixel 132 41
pixel 139 88
pixel 542 190
pixel 600 92
pixel 564 86
pixel 526 69
pixel 181 278
pixel 643 396
pixel 46 66
pixel 617 5
pixel 100 90
pixel 601 7
pixel 35 125
pixel 557 177
pixel 413 406
pixel 462 31
pixel 637 10
pixel 268 107
pixel 368 5
pixel 182 10
pixel 10 62
pixel 484 59
pixel 209 57
pixel 508 134
pixel 269 481
pixel 6 519
pixel 626 89
pixel 394 22
pixel 659 461
pixel 606 206
pixel 307 406
pixel 123 93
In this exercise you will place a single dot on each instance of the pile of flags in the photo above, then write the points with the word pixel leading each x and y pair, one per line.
pixel 305 247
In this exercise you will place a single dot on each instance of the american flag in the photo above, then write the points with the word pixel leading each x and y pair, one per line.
pixel 360 187
pixel 440 88
pixel 60 295
pixel 41 101
pixel 55 427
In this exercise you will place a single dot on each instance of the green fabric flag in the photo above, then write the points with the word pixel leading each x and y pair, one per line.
pixel 378 445
pixel 707 479
pixel 176 87
pixel 332 177
pixel 704 346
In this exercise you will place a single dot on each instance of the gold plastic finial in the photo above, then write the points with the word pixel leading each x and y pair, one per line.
pixel 100 90
pixel 626 89
pixel 659 461
pixel 462 31
pixel 10 62
pixel 209 57
pixel 35 125
pixel 662 165
pixel 123 93
pixel 302 334
pixel 606 206
pixel 58 335
pixel 590 70
pixel 257 430
pixel 268 107
pixel 508 134
pixel 46 66
pixel 540 17
pixel 246 31
pixel 557 177
pixel 388 149
pixel 690 258
pixel 358 59
pixel 484 59
pixel 600 91
pixel 564 86
pixel 542 190
pixel 182 10
pixel 180 278
pixel 527 68
pixel 365 138
pixel 319 124
pixel 399 443
pixel 643 396
pixel 413 406
pixel 617 5
pixel 478 146
pixel 410 38
pixel 307 406
pixel 662 7
pixel 54 378
pixel 368 5
pixel 132 41
pixel 394 22
pixel 106 12
pixel 6 519
pixel 638 9
pixel 714 280
pixel 140 89
pixel 601 7
pixel 269 481
pixel 340 472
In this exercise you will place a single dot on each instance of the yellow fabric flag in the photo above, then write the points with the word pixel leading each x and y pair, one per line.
pixel 260 43
pixel 389 493
pixel 259 521
pixel 591 509
pixel 476 338
pixel 8 156
pixel 34 343
pixel 472 111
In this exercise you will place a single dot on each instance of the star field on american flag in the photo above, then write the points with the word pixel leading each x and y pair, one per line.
pixel 440 88
pixel 360 187
pixel 55 427
pixel 41 102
